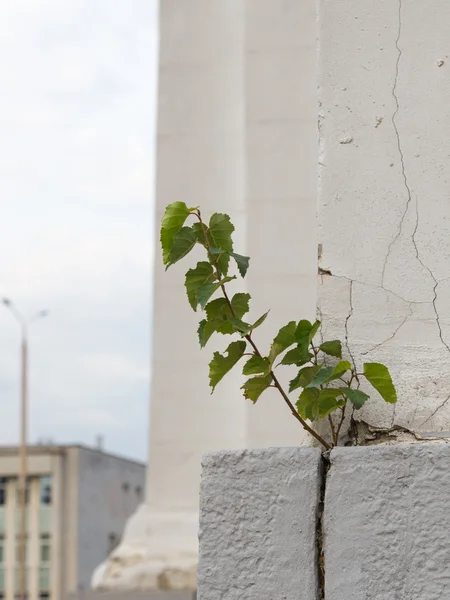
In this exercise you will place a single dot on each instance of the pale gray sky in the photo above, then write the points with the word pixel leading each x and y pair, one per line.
pixel 77 107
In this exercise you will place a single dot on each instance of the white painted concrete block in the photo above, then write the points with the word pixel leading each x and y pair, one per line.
pixel 258 525
pixel 386 523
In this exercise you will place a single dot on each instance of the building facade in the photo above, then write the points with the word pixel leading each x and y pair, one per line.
pixel 78 500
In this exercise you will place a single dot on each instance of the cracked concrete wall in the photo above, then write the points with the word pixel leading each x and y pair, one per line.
pixel 384 214
pixel 258 515
pixel 383 533
pixel 386 526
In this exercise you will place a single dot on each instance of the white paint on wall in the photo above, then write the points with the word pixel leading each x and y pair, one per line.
pixel 384 214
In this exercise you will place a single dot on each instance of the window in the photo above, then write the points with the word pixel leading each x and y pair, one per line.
pixel 45 550
pixel 3 484
pixel 2 550
pixel 46 489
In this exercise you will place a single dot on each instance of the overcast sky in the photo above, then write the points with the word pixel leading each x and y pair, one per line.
pixel 77 107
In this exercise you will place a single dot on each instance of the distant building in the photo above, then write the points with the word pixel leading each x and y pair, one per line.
pixel 78 502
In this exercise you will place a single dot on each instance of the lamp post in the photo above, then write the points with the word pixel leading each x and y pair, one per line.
pixel 24 324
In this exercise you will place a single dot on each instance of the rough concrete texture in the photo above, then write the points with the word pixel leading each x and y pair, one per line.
pixel 134 596
pixel 383 197
pixel 258 514
pixel 386 525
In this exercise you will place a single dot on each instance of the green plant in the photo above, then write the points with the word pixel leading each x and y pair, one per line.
pixel 326 388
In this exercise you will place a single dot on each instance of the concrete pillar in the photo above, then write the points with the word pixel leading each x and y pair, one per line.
pixel 33 539
pixel 383 197
pixel 236 134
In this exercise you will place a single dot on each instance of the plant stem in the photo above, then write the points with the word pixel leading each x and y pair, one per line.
pixel 258 353
pixel 340 423
pixel 333 431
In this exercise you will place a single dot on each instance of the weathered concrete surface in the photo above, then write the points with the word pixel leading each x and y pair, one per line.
pixel 386 523
pixel 134 596
pixel 383 197
pixel 258 514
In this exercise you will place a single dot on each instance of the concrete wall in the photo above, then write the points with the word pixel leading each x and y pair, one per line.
pixel 384 532
pixel 258 517
pixel 383 196
pixel 108 489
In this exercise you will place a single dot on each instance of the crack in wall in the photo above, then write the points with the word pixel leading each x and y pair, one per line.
pixel 435 411
pixel 320 559
pixel 390 337
pixel 349 316
pixel 399 145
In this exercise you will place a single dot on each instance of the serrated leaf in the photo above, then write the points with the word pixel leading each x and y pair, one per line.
pixel 342 367
pixel 253 388
pixel 303 378
pixel 284 338
pixel 221 364
pixel 219 234
pixel 317 404
pixel 196 278
pixel 240 304
pixel 356 397
pixel 296 356
pixel 206 329
pixel 217 309
pixel 240 326
pixel 321 376
pixel 173 220
pixel 257 364
pixel 200 232
pixel 183 242
pixel 302 332
pixel 314 329
pixel 332 348
pixel 260 321
pixel 379 377
pixel 204 293
pixel 242 263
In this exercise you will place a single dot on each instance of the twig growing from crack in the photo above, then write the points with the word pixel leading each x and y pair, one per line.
pixel 399 145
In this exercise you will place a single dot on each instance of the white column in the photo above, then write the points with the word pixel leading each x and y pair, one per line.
pixel 199 161
pixel 384 197
pixel 10 542
pixel 236 134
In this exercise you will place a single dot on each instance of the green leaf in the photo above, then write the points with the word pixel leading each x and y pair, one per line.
pixel 240 326
pixel 242 263
pixel 253 388
pixel 219 235
pixel 328 374
pixel 296 356
pixel 173 220
pixel 206 329
pixel 284 339
pixel 303 378
pixel 196 278
pixel 240 304
pixel 199 230
pixel 314 329
pixel 183 242
pixel 380 378
pixel 217 309
pixel 317 404
pixel 333 348
pixel 302 332
pixel 322 376
pixel 356 397
pixel 220 364
pixel 204 293
pixel 260 321
pixel 257 364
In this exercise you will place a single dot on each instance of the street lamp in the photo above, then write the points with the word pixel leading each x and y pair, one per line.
pixel 24 324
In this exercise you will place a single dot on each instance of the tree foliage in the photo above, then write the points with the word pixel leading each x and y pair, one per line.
pixel 327 381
